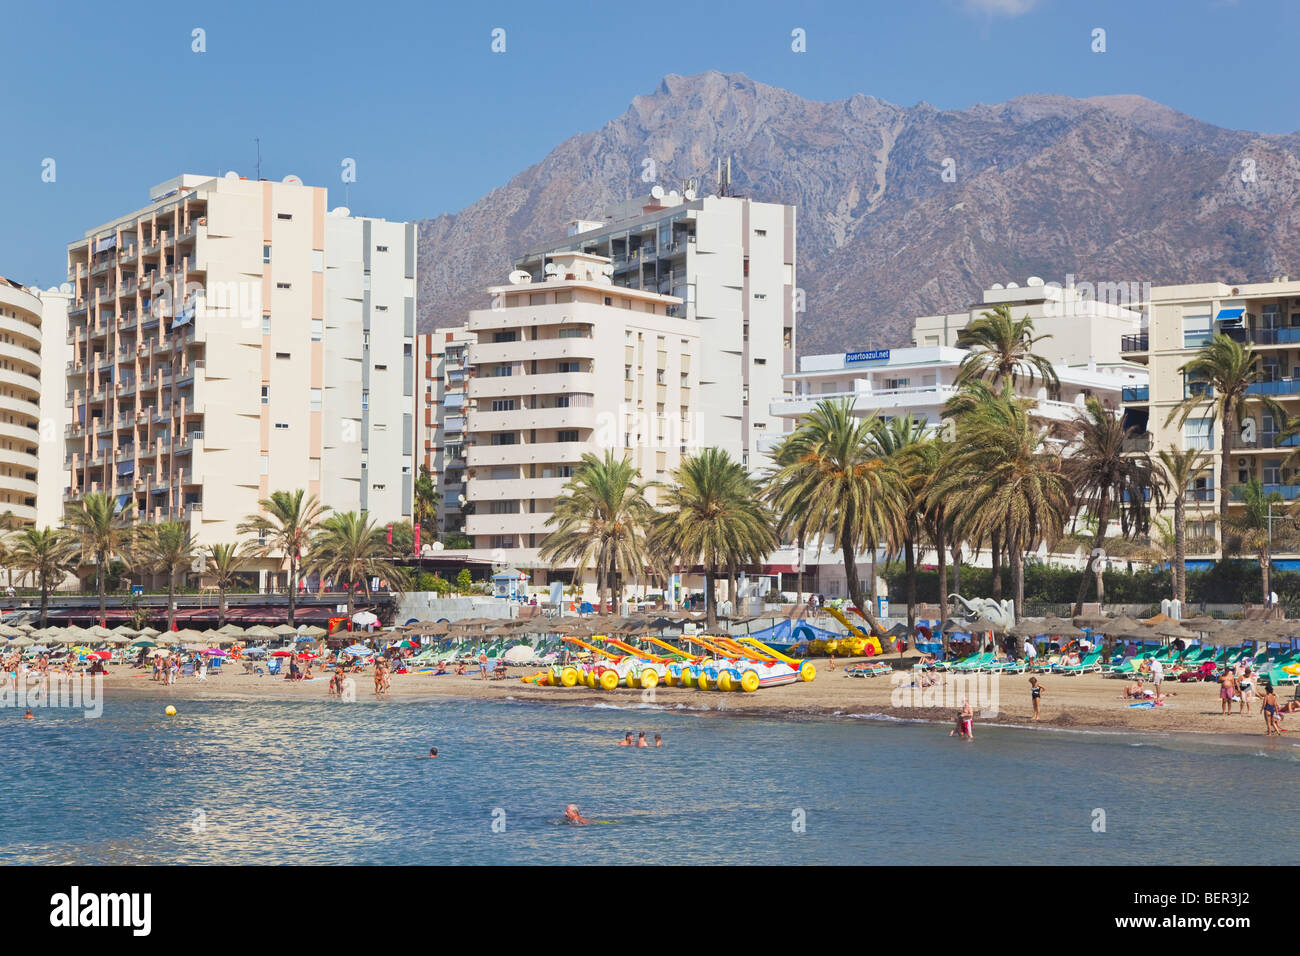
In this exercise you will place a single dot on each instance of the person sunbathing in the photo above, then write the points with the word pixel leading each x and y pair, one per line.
pixel 1135 691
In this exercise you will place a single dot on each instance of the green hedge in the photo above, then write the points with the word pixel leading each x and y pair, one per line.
pixel 1227 582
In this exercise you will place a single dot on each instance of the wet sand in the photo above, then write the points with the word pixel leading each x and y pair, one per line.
pixel 1085 701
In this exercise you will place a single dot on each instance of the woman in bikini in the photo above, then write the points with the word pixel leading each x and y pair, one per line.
pixel 1270 712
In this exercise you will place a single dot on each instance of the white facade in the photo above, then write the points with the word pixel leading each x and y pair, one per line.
pixel 442 383
pixel 23 355
pixel 368 458
pixel 732 263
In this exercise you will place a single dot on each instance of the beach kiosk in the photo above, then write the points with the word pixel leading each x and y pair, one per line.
pixel 510 584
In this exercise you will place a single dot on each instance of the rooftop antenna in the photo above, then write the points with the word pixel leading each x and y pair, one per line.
pixel 258 141
pixel 724 177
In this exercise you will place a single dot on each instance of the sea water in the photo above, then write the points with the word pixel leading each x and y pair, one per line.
pixel 249 781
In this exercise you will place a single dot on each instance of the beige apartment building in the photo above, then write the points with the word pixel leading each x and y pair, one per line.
pixel 1178 320
pixel 28 320
pixel 731 262
pixel 206 329
pixel 562 367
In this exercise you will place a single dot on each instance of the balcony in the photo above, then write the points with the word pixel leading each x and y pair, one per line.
pixel 510 489
pixel 482 455
pixel 506 524
pixel 1198 495
pixel 1140 342
pixel 549 383
pixel 1288 492
pixel 489 353
pixel 1136 393
pixel 528 418
pixel 1137 443
pixel 1285 386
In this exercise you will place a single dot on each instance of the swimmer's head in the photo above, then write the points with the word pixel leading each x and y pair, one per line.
pixel 571 811
pixel 433 751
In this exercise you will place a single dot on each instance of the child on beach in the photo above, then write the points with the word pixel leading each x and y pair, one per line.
pixel 1271 723
pixel 1036 694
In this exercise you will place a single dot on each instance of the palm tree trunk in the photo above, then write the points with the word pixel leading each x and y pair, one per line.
pixel 171 601
pixel 909 559
pixel 800 567
pixel 45 599
pixel 855 586
pixel 1103 519
pixel 1017 576
pixel 941 553
pixel 996 544
pixel 956 577
pixel 710 597
pixel 1224 463
pixel 101 584
pixel 293 586
pixel 1265 570
pixel 1180 548
pixel 221 608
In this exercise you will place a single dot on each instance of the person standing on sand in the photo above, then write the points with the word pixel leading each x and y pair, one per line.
pixel 1157 675
pixel 482 665
pixel 1270 712
pixel 1227 691
pixel 1036 694
pixel 1246 689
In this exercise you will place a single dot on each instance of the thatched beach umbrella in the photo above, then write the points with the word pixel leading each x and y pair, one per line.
pixel 260 631
pixel 1118 627
pixel 285 630
pixel 1027 627
pixel 1168 629
pixel 21 642
pixel 149 632
pixel 1094 622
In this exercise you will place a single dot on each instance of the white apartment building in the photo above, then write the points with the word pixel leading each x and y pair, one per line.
pixel 441 386
pixel 31 422
pixel 370 366
pixel 563 367
pixel 1082 324
pixel 918 382
pixel 203 352
pixel 732 263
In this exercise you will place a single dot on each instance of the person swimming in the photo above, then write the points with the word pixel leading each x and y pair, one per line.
pixel 640 740
pixel 571 814
pixel 627 740
pixel 659 741
pixel 28 715
pixel 433 751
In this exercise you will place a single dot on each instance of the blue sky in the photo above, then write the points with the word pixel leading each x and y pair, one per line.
pixel 412 91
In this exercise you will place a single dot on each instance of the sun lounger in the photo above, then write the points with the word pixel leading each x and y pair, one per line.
pixel 1087 665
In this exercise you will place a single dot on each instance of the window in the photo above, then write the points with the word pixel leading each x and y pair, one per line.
pixel 266 253
pixel 1198 433
pixel 381 308
pixel 504 507
pixel 659 377
pixel 284 215
pixel 760 232
pixel 563 471
pixel 381 248
pixel 282 355
pixel 381 368
pixel 266 394
pixel 1196 331
pixel 282 285
pixel 1272 474
pixel 567 367
pixel 505 336
pixel 504 438
pixel 759 361
pixel 315 399
pixel 627 373
pixel 572 332
pixel 282 426
pixel 266 325
pixel 504 370
pixel 365 398
pixel 503 405
pixel 567 435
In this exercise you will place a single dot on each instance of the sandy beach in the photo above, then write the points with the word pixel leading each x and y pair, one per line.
pixel 1090 700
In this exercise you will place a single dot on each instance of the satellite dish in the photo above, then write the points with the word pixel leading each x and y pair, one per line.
pixel 657 191
pixel 1034 281
pixel 438 546
pixel 66 288
pixel 342 211
pixel 607 269
pixel 231 174
pixel 520 276
pixel 551 269
pixel 604 280
pixel 689 194
pixel 997 286
pixel 292 180
pixel 1013 285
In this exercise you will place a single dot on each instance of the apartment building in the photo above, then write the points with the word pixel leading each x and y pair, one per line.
pixel 731 261
pixel 202 347
pixel 570 365
pixel 441 387
pixel 918 382
pixel 1179 320
pixel 1081 324
pixel 23 354
pixel 368 453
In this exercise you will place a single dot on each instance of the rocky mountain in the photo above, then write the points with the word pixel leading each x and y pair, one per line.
pixel 907 211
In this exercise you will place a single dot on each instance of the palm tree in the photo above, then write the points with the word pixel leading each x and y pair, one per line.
pixel 833 479
pixel 426 504
pixel 102 534
pixel 350 549
pixel 284 530
pixel 601 521
pixel 1180 469
pixel 1221 374
pixel 904 439
pixel 1001 350
pixel 47 554
pixel 225 563
pixel 166 548
pixel 1003 476
pixel 1108 479
pixel 1248 529
pixel 712 515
